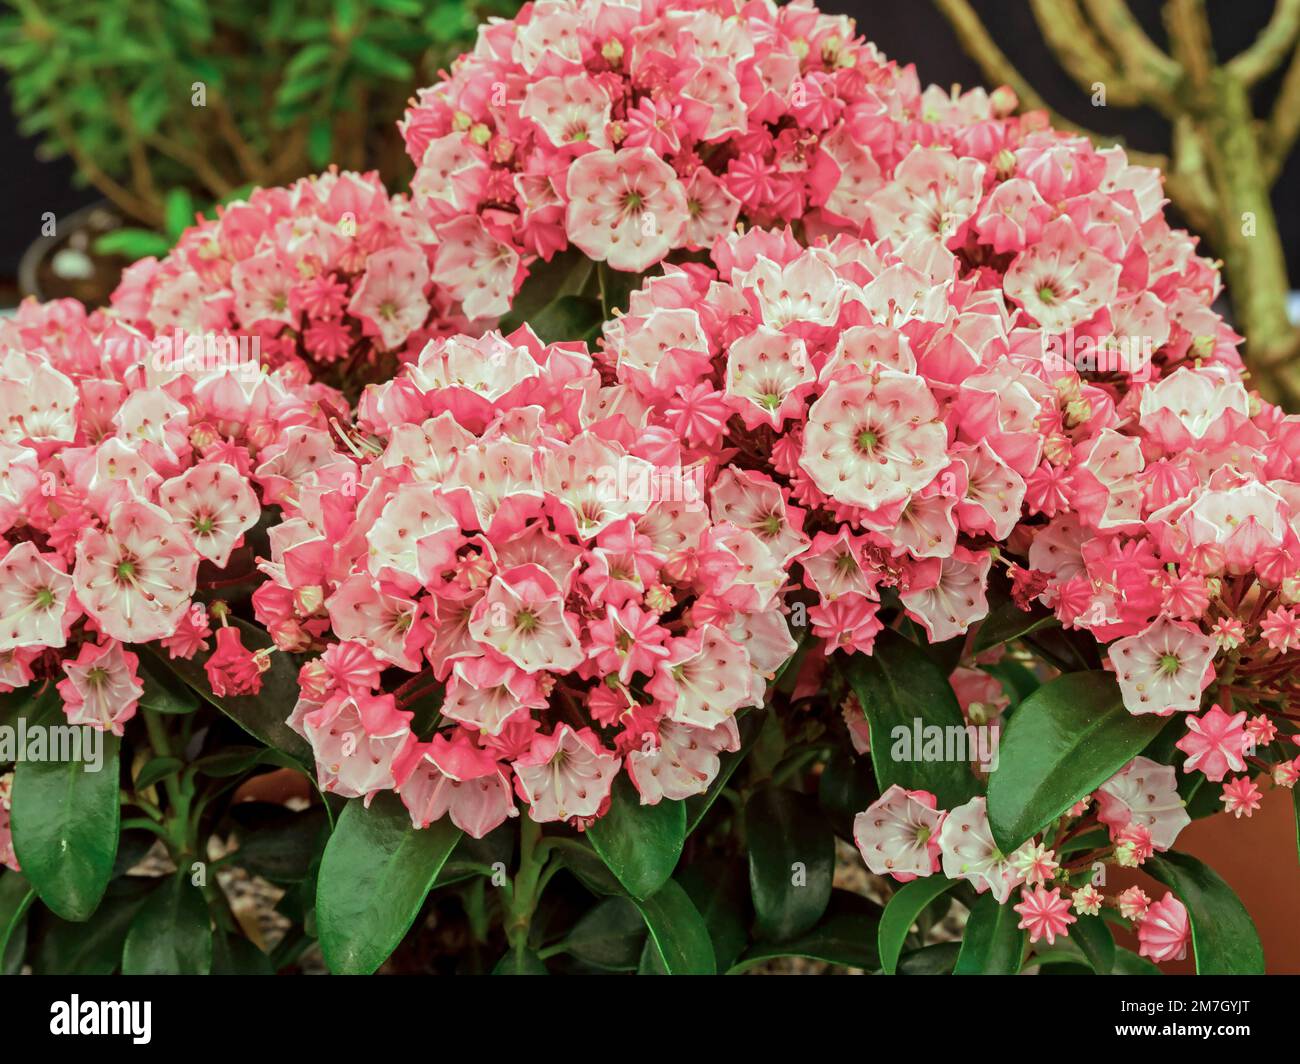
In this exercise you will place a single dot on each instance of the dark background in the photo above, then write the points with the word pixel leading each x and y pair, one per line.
pixel 909 31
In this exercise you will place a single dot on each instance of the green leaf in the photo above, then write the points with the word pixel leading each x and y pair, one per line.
pixel 929 960
pixel 791 862
pixel 845 788
pixel 846 935
pixel 678 931
pixel 132 243
pixel 611 935
pixel 1129 963
pixel 374 876
pixel 520 962
pixel 93 948
pixel 179 211
pixel 586 865
pixel 16 897
pixel 379 61
pixel 172 933
pixel 899 687
pixel 568 318
pixel 640 844
pixel 901 911
pixel 1091 935
pixel 1008 622
pixel 157 770
pixel 236 760
pixel 320 143
pixel 720 891
pixel 992 944
pixel 1224 938
pixel 65 819
pixel 616 288
pixel 164 692
pixel 1063 741
pixel 262 715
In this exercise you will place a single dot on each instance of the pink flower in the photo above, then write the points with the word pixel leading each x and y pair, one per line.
pixel 626 208
pixel 214 504
pixel 1164 930
pixel 1241 797
pixel 871 442
pixel 898 834
pixel 1132 903
pixel 1087 900
pixel 1044 913
pixel 1281 629
pixel 453 777
pixel 390 298
pixel 36 606
pixel 1163 669
pixel 1145 793
pixel 359 742
pixel 1215 744
pixel 565 774
pixel 232 668
pixel 1059 280
pixel 684 761
pixel 101 688
pixel 969 853
pixel 135 578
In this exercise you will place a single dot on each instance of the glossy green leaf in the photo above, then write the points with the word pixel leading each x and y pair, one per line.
pixel 1224 938
pixel 373 879
pixel 95 947
pixel 846 935
pixel 1063 741
pixel 992 943
pixel 1092 935
pixel 64 818
pixel 610 935
pixel 791 862
pixel 1129 963
pixel 16 897
pixel 172 932
pixel 164 691
pixel 719 889
pixel 157 770
pixel 902 691
pixel 678 931
pixel 640 844
pixel 938 959
pixel 901 912
pixel 1008 622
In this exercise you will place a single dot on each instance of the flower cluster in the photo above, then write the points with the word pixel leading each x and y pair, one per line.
pixel 330 275
pixel 904 834
pixel 511 540
pixel 636 130
pixel 127 485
